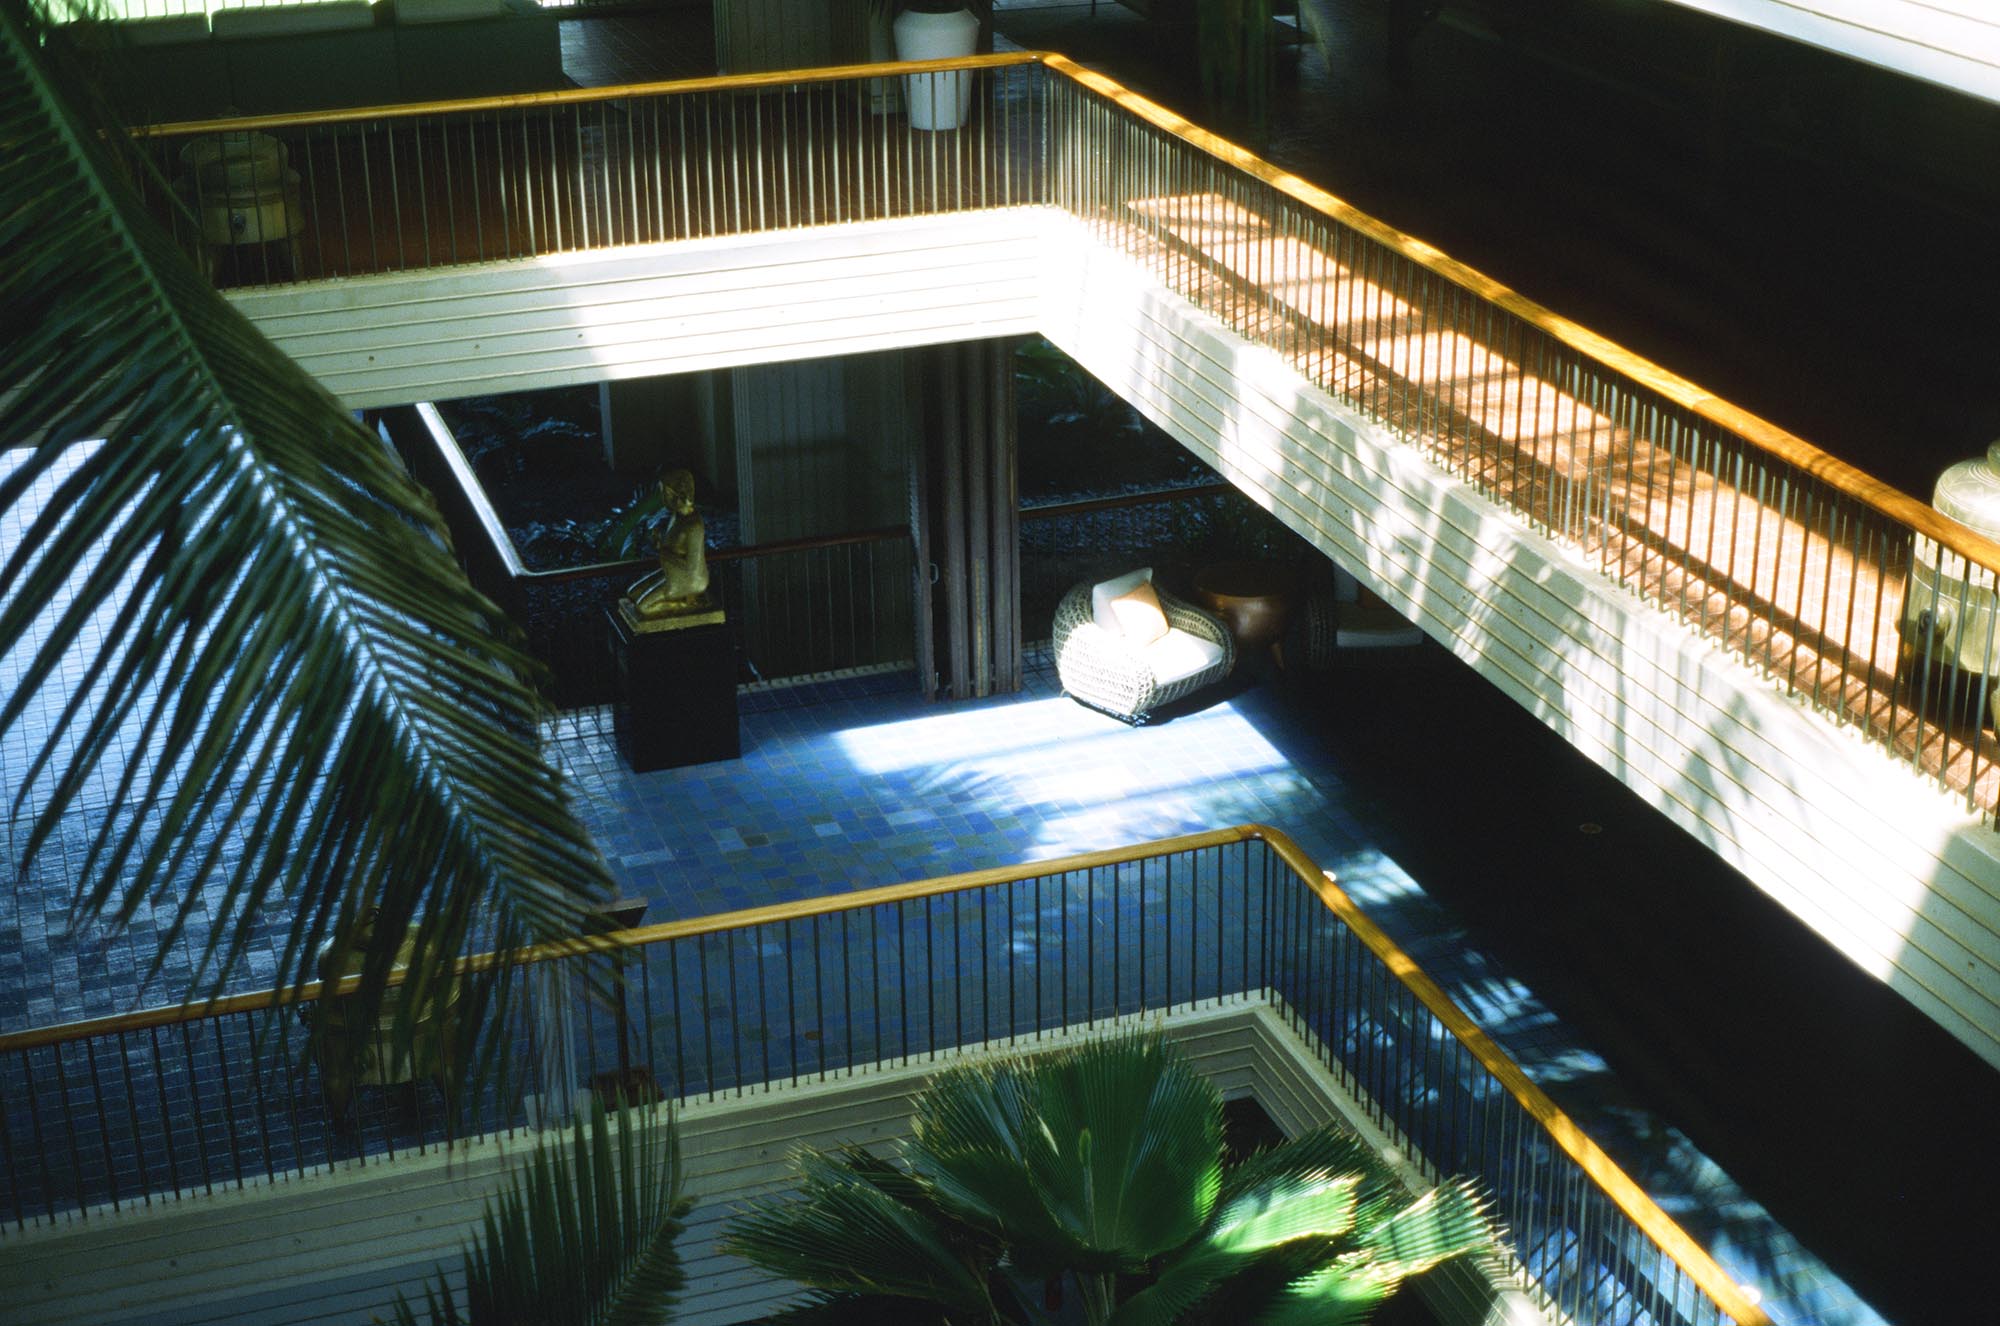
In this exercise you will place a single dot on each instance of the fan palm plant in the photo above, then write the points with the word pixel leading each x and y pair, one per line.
pixel 583 1234
pixel 265 698
pixel 1090 1185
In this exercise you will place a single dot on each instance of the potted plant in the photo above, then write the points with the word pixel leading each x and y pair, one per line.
pixel 1062 1187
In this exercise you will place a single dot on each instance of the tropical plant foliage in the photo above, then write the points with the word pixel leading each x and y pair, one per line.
pixel 582 1235
pixel 276 701
pixel 1090 1185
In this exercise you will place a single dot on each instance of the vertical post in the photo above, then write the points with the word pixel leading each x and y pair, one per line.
pixel 551 994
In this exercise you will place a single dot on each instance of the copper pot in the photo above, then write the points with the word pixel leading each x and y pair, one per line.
pixel 1253 598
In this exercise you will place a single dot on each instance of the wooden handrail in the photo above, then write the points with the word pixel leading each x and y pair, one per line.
pixel 617 940
pixel 585 95
pixel 1151 497
pixel 1627 1195
pixel 1849 480
pixel 733 553
pixel 1766 436
pixel 1616 1184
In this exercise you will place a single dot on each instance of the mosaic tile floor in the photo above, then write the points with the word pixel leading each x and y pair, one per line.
pixel 857 783
pixel 853 783
pixel 868 785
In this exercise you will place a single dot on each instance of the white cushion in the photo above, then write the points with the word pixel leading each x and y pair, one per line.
pixel 448 11
pixel 1127 606
pixel 293 20
pixel 1178 655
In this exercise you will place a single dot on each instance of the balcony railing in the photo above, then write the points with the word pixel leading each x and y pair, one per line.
pixel 1796 562
pixel 171 1103
pixel 796 607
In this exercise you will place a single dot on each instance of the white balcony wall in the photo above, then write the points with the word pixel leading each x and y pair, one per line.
pixel 334 1248
pixel 1883 865
pixel 644 310
pixel 1886 867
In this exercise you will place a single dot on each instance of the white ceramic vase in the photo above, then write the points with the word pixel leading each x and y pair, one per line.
pixel 937 101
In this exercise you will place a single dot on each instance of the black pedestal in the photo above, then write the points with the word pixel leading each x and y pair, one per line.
pixel 676 694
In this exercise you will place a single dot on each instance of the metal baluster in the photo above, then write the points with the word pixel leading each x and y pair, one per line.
pixel 9 1160
pixel 1541 473
pixel 1759 506
pixel 814 142
pixel 680 1091
pixel 103 1126
pixel 876 1049
pixel 41 1151
pixel 707 1018
pixel 1803 498
pixel 1144 969
pixel 257 1084
pixel 1041 959
pixel 1244 978
pixel 194 1106
pixel 1013 1012
pixel 903 973
pixel 628 138
pixel 986 966
pixel 819 1002
pixel 1679 435
pixel 791 1010
pixel 683 150
pixel 847 990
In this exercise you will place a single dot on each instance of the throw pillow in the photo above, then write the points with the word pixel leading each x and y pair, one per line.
pixel 1126 605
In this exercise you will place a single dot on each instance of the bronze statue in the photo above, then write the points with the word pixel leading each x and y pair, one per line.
pixel 677 593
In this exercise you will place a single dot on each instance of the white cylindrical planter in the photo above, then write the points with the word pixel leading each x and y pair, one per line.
pixel 937 101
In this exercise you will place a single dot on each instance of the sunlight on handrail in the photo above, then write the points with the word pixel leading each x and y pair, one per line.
pixel 786 918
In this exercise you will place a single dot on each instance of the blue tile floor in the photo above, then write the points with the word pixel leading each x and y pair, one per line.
pixel 854 783
pixel 1651 991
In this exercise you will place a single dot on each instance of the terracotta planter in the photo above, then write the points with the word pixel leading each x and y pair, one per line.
pixel 937 101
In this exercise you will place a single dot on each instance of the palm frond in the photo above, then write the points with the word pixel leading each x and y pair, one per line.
pixel 1323 1150
pixel 859 1229
pixel 1096 1158
pixel 1448 1221
pixel 859 1310
pixel 265 671
pixel 584 1233
pixel 1316 1209
pixel 1403 1239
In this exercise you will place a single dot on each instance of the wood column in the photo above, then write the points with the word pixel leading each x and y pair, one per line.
pixel 965 515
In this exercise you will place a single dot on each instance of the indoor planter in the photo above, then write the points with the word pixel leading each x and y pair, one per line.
pixel 936 30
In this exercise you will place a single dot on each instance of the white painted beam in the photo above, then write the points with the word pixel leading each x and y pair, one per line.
pixel 644 310
pixel 1954 43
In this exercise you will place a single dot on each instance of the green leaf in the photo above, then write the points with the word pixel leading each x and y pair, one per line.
pixel 583 1233
pixel 1286 1209
pixel 1097 1158
pixel 858 1227
pixel 1450 1220
pixel 242 612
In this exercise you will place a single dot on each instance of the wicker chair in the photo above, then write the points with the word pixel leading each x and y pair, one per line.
pixel 1105 671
